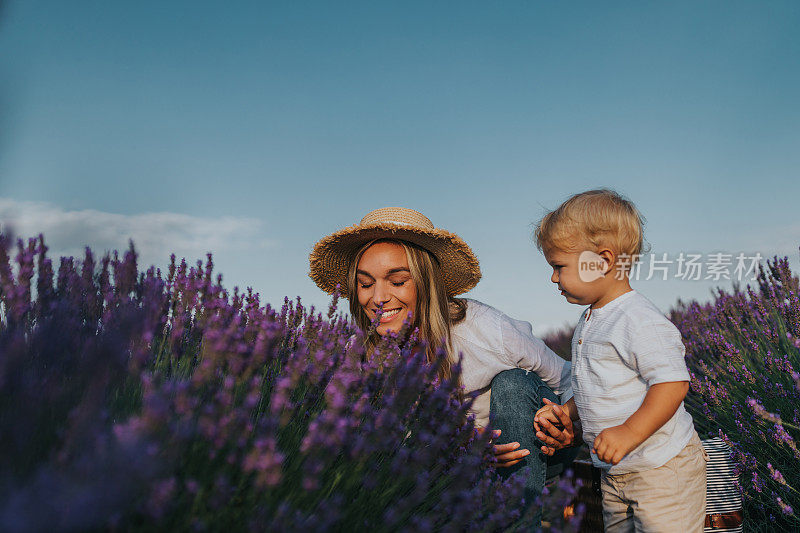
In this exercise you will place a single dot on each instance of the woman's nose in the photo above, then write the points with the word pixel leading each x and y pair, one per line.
pixel 381 294
pixel 554 277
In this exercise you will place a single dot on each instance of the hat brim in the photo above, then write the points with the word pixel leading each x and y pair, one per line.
pixel 330 259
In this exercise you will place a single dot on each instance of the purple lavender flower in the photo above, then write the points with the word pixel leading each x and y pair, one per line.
pixel 784 507
pixel 221 411
pixel 742 350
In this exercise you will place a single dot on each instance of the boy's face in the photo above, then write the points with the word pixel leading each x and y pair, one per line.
pixel 571 281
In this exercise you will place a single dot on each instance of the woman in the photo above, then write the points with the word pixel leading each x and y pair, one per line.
pixel 397 264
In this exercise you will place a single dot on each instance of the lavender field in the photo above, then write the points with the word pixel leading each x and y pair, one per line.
pixel 146 400
pixel 134 401
pixel 743 351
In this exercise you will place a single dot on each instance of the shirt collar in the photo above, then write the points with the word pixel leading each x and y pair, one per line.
pixel 611 305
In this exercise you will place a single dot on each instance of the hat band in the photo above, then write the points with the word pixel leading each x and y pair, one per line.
pixel 398 223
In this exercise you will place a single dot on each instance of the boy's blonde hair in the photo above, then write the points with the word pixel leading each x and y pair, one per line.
pixel 591 220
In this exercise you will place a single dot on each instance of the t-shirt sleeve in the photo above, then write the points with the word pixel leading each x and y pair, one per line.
pixel 658 351
pixel 523 349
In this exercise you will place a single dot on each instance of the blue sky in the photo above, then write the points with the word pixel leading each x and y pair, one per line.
pixel 252 129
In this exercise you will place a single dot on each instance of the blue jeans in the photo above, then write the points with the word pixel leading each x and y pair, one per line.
pixel 516 396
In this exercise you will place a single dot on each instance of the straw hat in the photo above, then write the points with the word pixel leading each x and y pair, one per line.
pixel 331 257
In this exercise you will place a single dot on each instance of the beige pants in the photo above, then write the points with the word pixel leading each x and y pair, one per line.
pixel 670 498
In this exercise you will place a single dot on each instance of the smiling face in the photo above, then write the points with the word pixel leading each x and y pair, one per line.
pixel 383 278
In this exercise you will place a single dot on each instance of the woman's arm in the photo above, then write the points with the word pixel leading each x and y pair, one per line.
pixel 525 350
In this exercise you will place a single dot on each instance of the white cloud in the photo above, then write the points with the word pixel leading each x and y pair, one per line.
pixel 155 235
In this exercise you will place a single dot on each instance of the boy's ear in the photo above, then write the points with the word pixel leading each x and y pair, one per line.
pixel 609 257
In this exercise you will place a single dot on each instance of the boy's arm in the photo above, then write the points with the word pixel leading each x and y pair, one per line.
pixel 660 403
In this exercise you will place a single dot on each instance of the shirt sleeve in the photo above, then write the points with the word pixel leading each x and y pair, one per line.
pixel 524 350
pixel 658 352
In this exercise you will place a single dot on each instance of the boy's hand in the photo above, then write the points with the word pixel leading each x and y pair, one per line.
pixel 660 403
pixel 614 443
pixel 553 427
pixel 545 413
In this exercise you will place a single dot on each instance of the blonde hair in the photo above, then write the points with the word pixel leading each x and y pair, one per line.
pixel 593 219
pixel 436 310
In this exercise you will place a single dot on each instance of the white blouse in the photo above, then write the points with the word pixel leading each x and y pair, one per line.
pixel 489 342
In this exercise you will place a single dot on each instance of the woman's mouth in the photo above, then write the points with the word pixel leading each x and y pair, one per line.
pixel 388 315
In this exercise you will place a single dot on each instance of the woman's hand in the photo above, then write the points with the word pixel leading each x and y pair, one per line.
pixel 508 454
pixel 553 427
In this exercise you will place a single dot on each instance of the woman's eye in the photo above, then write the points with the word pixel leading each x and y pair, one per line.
pixel 398 283
pixel 365 285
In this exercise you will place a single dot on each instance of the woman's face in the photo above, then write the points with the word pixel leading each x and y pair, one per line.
pixel 383 278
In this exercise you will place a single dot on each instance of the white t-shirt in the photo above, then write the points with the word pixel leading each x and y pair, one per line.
pixel 618 352
pixel 490 342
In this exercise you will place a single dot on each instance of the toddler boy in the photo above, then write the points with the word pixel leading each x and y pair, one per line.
pixel 629 377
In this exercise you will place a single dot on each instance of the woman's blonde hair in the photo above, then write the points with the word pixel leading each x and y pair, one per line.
pixel 436 311
pixel 593 219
